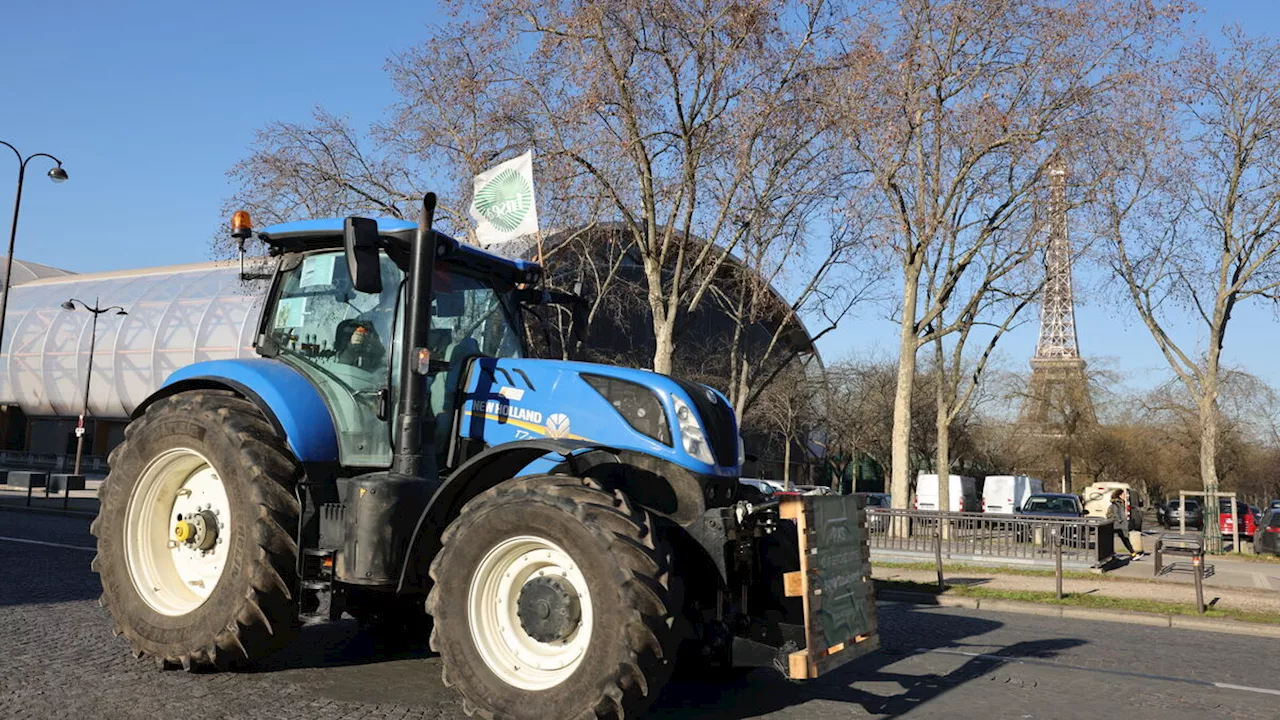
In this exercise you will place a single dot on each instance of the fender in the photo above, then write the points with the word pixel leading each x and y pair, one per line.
pixel 482 472
pixel 285 396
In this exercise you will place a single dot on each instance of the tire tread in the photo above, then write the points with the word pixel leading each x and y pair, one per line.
pixel 629 535
pixel 272 472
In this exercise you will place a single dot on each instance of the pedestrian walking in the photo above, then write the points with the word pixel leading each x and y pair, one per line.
pixel 1119 517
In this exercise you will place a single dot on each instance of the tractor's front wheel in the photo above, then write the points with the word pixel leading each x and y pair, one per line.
pixel 551 600
pixel 197 564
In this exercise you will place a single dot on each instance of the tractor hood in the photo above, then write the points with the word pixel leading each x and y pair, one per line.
pixel 511 399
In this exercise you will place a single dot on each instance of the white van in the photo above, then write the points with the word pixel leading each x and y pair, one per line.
pixel 1097 498
pixel 962 489
pixel 1006 494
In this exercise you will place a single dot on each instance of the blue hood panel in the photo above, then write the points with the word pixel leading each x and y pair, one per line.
pixel 513 399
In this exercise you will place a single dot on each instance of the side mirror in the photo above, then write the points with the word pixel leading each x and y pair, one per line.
pixel 360 236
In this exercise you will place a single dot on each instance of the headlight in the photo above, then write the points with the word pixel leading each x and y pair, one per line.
pixel 637 404
pixel 691 435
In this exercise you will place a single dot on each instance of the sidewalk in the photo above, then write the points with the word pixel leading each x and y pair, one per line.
pixel 1220 571
pixel 1247 599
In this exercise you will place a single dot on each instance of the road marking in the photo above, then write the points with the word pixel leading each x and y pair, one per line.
pixel 1261 581
pixel 1129 673
pixel 1246 688
pixel 48 544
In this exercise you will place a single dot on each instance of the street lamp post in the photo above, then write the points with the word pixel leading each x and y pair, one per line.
pixel 88 376
pixel 56 174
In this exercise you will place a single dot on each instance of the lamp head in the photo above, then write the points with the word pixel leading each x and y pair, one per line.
pixel 68 305
pixel 57 174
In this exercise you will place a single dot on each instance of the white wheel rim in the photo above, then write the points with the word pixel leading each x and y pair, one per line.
pixel 173 577
pixel 510 652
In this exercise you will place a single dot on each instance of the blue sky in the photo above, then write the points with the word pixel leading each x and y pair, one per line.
pixel 149 103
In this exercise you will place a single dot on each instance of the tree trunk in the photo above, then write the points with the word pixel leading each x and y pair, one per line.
pixel 942 455
pixel 786 462
pixel 907 344
pixel 663 346
pixel 1208 410
pixel 942 424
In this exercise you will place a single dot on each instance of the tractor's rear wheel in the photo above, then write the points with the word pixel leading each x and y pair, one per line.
pixel 195 555
pixel 552 599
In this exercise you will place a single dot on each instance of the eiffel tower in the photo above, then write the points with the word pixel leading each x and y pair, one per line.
pixel 1058 405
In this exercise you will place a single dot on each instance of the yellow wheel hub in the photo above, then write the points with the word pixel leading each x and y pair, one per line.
pixel 184 531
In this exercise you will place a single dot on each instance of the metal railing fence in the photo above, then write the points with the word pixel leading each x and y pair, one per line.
pixel 1024 538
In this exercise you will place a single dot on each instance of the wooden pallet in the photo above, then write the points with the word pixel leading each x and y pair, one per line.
pixel 822 652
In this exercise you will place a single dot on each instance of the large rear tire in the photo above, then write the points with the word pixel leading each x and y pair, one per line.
pixel 197 562
pixel 553 547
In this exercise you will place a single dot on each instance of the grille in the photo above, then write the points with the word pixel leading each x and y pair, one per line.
pixel 719 422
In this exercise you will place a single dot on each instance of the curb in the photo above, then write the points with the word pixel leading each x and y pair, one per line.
pixel 1129 617
pixel 48 511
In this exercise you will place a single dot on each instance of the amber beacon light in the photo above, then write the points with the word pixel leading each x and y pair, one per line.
pixel 241 224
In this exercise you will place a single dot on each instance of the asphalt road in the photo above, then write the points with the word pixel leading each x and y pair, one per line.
pixel 58 659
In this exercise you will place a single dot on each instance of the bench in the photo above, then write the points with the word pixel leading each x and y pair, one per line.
pixel 1188 544
pixel 29 480
pixel 65 482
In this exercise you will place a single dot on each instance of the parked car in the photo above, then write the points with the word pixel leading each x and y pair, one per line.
pixel 1053 505
pixel 1173 513
pixel 962 489
pixel 1097 499
pixel 1008 493
pixel 876 500
pixel 756 490
pixel 1248 523
pixel 877 504
pixel 1275 505
pixel 1267 539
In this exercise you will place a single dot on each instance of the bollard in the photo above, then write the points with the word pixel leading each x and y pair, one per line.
pixel 1057 558
pixel 937 551
pixel 1197 563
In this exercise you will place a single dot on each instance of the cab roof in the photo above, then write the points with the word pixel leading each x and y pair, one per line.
pixel 326 233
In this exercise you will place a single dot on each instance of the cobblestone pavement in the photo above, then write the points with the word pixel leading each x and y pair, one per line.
pixel 58 659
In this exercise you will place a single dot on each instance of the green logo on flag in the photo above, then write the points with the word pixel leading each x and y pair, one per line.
pixel 505 200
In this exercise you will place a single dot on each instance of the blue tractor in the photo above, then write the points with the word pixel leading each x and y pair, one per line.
pixel 562 530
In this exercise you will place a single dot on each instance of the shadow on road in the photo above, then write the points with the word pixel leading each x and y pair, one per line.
pixel 765 691
pixel 340 644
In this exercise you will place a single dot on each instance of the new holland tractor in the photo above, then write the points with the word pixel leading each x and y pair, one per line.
pixel 563 530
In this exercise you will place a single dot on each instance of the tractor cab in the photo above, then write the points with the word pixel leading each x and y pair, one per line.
pixel 347 340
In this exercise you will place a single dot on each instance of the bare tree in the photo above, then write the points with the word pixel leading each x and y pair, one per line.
pixel 689 129
pixel 994 306
pixel 694 121
pixel 956 108
pixel 769 333
pixel 1191 209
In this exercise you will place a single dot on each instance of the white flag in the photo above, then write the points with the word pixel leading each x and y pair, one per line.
pixel 502 202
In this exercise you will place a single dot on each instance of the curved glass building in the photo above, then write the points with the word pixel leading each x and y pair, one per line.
pixel 177 315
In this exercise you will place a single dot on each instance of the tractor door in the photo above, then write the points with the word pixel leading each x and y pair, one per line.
pixel 471 317
pixel 344 342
